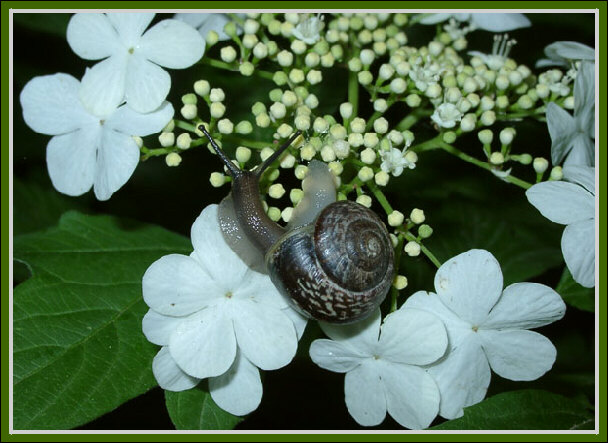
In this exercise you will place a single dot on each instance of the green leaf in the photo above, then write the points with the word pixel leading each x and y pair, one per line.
pixel 54 24
pixel 575 294
pixel 78 347
pixel 195 409
pixel 524 248
pixel 525 409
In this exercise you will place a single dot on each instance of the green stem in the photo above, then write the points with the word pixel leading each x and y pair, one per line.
pixel 231 67
pixel 411 237
pixel 185 125
pixel 395 291
pixel 428 145
pixel 467 158
pixel 235 139
pixel 353 91
pixel 379 196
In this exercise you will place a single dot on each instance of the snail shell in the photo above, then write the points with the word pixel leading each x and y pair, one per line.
pixel 333 261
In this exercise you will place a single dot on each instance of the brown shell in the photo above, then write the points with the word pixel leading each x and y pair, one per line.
pixel 337 270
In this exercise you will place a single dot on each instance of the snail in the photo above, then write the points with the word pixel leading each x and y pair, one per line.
pixel 334 259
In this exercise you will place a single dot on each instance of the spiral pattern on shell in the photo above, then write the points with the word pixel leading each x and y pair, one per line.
pixel 338 269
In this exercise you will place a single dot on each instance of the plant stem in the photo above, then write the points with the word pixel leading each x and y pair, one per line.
pixel 411 237
pixel 353 91
pixel 229 67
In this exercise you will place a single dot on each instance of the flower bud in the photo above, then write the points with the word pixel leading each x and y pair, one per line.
pixel 381 125
pixel 365 174
pixel 417 216
pixel 225 126
pixel 381 178
pixel 425 231
pixel 364 200
pixel 278 110
pixel 302 122
pixel 357 125
pixel 183 141
pixel 485 136
pixel 260 50
pixel 276 190
pixel 166 139
pixel 400 282
pixel 346 110
pixel 540 165
pixel 298 47
pixel 189 111
pixel 173 159
pixel 217 95
pixel 506 136
pixel 202 87
pixel 556 173
pixel 285 58
pixel 368 156
pixel 365 78
pixel 395 218
pixel 496 158
pixel 262 120
pixel 228 54
pixel 217 179
pixel 314 77
pixel 217 109
pixel 398 85
pixel 412 249
pixel 320 125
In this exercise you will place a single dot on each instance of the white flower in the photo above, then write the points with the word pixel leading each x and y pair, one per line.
pixel 487 328
pixel 424 75
pixel 216 318
pixel 500 51
pixel 572 204
pixel 446 115
pixel 205 22
pixel 394 161
pixel 564 53
pixel 494 22
pixel 382 366
pixel 87 149
pixel 308 29
pixel 571 135
pixel 132 69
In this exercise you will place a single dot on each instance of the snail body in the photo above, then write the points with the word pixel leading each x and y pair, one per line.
pixel 333 261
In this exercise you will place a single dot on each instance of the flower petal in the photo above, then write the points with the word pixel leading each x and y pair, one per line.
pixel 239 390
pixel 92 36
pixel 206 22
pixel 146 84
pixel 51 105
pixel 362 335
pixel 130 26
pixel 129 122
pixel 562 202
pixel 172 44
pixel 581 175
pixel 499 22
pixel 431 19
pixel 412 396
pixel 582 152
pixel 562 128
pixel 570 50
pixel 525 306
pixel 176 285
pixel 168 375
pixel 117 158
pixel 299 321
pixel 584 93
pixel 462 376
pixel 578 247
pixel 470 284
pixel 70 159
pixel 412 336
pixel 335 356
pixel 260 289
pixel 203 345
pixel 518 355
pixel 364 394
pixel 103 86
pixel 158 328
pixel 265 334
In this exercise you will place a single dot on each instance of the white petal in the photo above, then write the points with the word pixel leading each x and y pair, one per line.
pixel 214 254
pixel 158 328
pixel 462 376
pixel 212 22
pixel 299 321
pixel 92 37
pixel 431 19
pixel 51 105
pixel 561 202
pixel 172 44
pixel 525 306
pixel 239 390
pixel 265 334
pixel 117 158
pixel 584 92
pixel 168 375
pixel 259 288
pixel 130 26
pixel 362 335
pixel 70 159
pixel 176 285
pixel 103 86
pixel 578 247
pixel 582 152
pixel 129 122
pixel 412 395
pixel 571 50
pixel 561 128
pixel 203 345
pixel 518 355
pixel 335 356
pixel 582 175
pixel 146 84
pixel 412 336
pixel 193 19
pixel 364 394
pixel 469 284
pixel 499 22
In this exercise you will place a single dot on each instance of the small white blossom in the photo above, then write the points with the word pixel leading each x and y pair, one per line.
pixel 500 51
pixel 572 204
pixel 494 22
pixel 205 22
pixel 382 366
pixel 309 29
pixel 131 70
pixel 571 135
pixel 487 328
pixel 394 161
pixel 446 115
pixel 87 150
pixel 216 324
